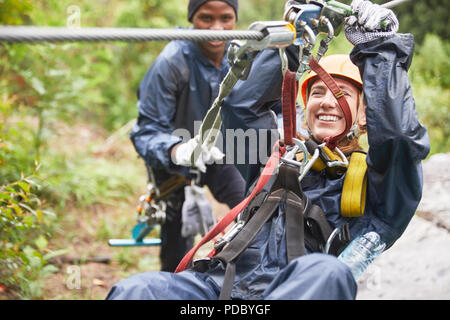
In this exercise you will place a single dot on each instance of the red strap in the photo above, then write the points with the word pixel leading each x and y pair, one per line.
pixel 332 142
pixel 274 159
pixel 289 98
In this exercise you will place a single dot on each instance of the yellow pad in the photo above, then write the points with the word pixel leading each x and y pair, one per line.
pixel 353 199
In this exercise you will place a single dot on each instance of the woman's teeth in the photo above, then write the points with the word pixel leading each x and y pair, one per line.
pixel 328 118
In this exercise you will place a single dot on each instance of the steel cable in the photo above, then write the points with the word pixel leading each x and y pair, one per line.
pixel 30 34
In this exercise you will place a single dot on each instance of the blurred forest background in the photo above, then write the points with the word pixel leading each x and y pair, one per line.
pixel 69 176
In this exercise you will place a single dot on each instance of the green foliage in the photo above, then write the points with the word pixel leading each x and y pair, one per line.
pixel 13 12
pixel 25 226
pixel 259 10
pixel 425 16
pixel 431 63
pixel 430 76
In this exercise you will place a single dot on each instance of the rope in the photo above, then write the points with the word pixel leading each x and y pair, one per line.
pixel 30 34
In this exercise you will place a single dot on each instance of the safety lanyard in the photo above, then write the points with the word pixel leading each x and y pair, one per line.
pixel 289 97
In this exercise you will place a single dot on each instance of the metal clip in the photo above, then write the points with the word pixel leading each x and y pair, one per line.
pixel 221 242
pixel 336 232
pixel 336 163
pixel 311 161
pixel 325 42
pixel 305 51
pixel 197 176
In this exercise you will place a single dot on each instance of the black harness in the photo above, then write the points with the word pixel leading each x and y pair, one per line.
pixel 306 226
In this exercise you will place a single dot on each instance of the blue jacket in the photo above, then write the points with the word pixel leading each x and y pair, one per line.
pixel 176 92
pixel 397 144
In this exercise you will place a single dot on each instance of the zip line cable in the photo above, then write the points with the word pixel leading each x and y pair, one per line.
pixel 22 34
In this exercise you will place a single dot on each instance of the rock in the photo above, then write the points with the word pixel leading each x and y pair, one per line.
pixel 435 204
pixel 417 266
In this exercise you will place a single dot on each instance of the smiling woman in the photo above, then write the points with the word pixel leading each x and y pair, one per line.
pixel 324 116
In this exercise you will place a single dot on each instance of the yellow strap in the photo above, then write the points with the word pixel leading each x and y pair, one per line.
pixel 353 199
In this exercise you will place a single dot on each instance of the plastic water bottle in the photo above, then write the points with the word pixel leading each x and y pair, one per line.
pixel 360 253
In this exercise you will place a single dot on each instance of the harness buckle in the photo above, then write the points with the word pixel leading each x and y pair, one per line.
pixel 340 237
pixel 222 241
pixel 336 232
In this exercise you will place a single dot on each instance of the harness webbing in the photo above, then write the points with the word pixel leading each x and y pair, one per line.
pixel 332 142
pixel 289 98
pixel 295 236
pixel 242 240
pixel 285 189
pixel 296 203
pixel 277 152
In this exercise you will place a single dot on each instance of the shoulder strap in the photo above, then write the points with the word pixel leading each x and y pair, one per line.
pixel 353 199
pixel 242 240
pixel 295 235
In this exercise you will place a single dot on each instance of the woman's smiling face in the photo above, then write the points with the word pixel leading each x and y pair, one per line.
pixel 324 116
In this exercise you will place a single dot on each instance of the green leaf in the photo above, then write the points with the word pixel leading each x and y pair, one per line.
pixel 24 186
pixel 4 195
pixel 48 270
pixel 41 242
pixel 56 253
pixel 38 86
pixel 28 220
pixel 28 208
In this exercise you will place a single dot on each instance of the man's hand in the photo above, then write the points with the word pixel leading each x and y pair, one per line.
pixel 181 154
pixel 367 24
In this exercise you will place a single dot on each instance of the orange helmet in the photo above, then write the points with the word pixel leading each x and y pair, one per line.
pixel 336 65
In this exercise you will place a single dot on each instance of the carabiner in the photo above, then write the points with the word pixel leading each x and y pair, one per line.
pixel 311 161
pixel 305 51
pixel 336 232
pixel 325 42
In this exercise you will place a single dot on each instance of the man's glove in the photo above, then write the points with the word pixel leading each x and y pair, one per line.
pixel 184 152
pixel 196 214
pixel 367 25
